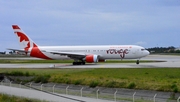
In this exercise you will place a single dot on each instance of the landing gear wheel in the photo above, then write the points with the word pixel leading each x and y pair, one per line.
pixel 74 63
pixel 79 63
pixel 137 62
pixel 83 63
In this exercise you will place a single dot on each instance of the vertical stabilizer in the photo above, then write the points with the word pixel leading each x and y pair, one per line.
pixel 24 41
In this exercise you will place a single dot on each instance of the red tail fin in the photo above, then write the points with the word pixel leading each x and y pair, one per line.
pixel 24 41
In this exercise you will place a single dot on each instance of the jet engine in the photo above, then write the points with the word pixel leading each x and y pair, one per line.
pixel 91 58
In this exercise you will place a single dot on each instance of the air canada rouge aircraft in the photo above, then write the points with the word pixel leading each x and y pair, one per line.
pixel 80 54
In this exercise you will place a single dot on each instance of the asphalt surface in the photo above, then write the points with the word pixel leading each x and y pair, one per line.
pixel 170 61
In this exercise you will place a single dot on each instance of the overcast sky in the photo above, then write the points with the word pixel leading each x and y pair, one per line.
pixel 148 23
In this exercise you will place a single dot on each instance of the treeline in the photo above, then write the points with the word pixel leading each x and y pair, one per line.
pixel 170 49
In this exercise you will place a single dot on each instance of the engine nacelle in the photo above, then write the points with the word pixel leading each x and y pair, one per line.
pixel 91 58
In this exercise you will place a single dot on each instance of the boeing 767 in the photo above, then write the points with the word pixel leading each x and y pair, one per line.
pixel 80 54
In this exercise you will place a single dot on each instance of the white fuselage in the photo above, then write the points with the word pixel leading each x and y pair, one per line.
pixel 104 51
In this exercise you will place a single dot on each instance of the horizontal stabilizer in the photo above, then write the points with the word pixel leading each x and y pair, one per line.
pixel 20 50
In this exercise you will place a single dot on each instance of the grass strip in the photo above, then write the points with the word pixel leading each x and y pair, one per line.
pixel 8 98
pixel 161 79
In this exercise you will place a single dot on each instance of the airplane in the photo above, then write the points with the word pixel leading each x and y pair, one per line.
pixel 80 54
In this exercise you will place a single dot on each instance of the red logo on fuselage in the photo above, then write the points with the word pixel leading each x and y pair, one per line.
pixel 121 52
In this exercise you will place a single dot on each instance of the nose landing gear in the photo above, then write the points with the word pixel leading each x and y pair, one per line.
pixel 137 62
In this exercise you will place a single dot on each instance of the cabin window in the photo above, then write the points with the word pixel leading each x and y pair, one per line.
pixel 142 49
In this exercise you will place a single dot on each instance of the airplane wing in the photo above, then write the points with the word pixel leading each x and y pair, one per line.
pixel 69 54
pixel 74 55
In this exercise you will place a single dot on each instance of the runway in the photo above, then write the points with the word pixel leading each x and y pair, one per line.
pixel 171 61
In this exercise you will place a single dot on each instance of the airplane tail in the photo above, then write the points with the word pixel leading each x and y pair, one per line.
pixel 24 41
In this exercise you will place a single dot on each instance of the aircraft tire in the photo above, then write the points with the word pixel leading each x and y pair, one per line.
pixel 137 62
pixel 82 63
pixel 74 63
pixel 78 63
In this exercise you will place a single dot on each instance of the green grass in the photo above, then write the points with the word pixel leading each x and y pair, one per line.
pixel 162 79
pixel 66 61
pixel 7 98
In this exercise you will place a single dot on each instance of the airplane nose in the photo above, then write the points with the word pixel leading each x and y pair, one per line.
pixel 147 52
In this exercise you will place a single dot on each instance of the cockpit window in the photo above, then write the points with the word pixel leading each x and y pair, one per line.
pixel 142 49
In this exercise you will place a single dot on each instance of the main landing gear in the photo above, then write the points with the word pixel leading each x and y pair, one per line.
pixel 137 62
pixel 79 63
